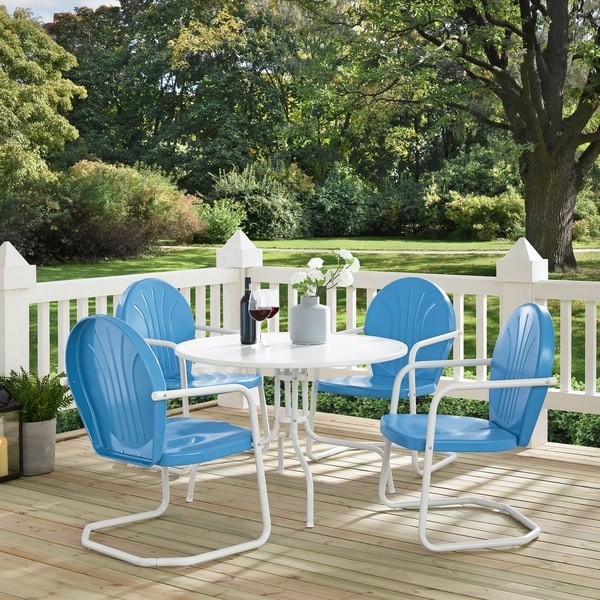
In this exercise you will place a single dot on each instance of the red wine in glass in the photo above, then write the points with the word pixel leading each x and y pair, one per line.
pixel 260 314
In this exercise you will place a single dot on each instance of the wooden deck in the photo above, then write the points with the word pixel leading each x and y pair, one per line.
pixel 357 550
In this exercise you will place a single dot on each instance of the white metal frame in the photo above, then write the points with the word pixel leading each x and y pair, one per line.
pixel 425 503
pixel 183 561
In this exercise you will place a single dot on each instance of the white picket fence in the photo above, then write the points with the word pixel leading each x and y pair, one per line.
pixel 214 293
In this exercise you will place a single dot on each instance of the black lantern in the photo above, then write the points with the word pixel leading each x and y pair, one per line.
pixel 11 445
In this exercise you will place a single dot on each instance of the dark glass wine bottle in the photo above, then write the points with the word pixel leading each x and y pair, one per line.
pixel 247 323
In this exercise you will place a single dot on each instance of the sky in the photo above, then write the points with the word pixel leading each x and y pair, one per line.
pixel 45 9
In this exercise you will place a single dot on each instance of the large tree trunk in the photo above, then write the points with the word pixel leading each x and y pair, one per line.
pixel 551 188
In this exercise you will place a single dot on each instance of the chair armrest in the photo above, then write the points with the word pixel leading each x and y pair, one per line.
pixel 164 395
pixel 352 331
pixel 429 341
pixel 428 364
pixel 212 329
pixel 164 343
pixel 490 384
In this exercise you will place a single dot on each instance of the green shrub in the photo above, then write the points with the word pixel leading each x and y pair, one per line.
pixel 341 206
pixel 484 218
pixel 271 212
pixel 68 420
pixel 482 170
pixel 398 209
pixel 586 221
pixel 98 211
pixel 219 221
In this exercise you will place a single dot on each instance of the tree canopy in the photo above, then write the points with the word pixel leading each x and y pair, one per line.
pixel 529 67
pixel 394 90
pixel 34 97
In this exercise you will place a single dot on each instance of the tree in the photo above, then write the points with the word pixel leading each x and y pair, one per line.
pixel 34 96
pixel 195 88
pixel 529 67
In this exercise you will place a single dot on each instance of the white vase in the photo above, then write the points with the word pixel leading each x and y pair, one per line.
pixel 309 322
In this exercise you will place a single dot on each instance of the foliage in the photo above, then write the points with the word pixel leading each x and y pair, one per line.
pixel 341 206
pixel 270 213
pixel 34 96
pixel 41 398
pixel 189 87
pixel 375 408
pixel 485 218
pixel 586 218
pixel 97 211
pixel 398 209
pixel 68 420
pixel 489 169
pixel 527 69
pixel 219 221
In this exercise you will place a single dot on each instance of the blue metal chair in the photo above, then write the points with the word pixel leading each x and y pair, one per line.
pixel 519 376
pixel 119 388
pixel 160 313
pixel 417 312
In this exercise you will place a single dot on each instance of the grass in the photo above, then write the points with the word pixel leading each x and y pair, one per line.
pixel 376 254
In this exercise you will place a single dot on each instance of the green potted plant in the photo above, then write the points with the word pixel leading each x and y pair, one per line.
pixel 41 399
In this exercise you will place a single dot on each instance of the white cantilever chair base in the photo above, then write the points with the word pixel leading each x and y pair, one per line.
pixel 119 389
pixel 519 377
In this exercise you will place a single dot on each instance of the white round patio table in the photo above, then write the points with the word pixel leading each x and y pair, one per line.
pixel 291 363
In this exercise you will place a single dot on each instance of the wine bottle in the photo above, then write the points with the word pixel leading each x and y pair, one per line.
pixel 247 323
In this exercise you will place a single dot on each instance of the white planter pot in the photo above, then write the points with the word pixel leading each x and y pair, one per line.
pixel 39 445
pixel 309 322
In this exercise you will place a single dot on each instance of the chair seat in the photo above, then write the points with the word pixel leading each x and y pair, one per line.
pixel 452 433
pixel 189 441
pixel 204 379
pixel 372 386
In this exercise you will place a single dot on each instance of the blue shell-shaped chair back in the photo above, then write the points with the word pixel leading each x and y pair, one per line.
pixel 112 373
pixel 158 310
pixel 411 309
pixel 524 349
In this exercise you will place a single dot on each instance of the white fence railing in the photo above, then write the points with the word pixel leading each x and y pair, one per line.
pixel 480 303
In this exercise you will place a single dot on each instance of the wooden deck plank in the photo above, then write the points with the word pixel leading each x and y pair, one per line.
pixel 358 548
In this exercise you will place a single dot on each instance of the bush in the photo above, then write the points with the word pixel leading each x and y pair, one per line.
pixel 586 221
pixel 341 206
pixel 98 211
pixel 398 210
pixel 271 212
pixel 219 221
pixel 483 171
pixel 484 218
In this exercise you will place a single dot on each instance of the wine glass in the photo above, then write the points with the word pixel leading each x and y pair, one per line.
pixel 273 301
pixel 259 309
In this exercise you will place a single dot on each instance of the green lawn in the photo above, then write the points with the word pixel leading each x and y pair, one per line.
pixel 458 258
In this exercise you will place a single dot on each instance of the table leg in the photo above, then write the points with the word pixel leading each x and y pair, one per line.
pixel 291 417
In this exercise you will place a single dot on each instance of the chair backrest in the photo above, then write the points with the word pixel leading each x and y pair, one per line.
pixel 158 310
pixel 112 373
pixel 524 349
pixel 411 309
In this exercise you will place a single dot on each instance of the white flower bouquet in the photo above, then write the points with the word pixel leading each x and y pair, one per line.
pixel 320 277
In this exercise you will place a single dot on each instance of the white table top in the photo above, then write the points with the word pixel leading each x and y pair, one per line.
pixel 341 350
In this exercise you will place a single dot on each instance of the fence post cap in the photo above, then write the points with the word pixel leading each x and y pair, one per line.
pixel 239 252
pixel 522 263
